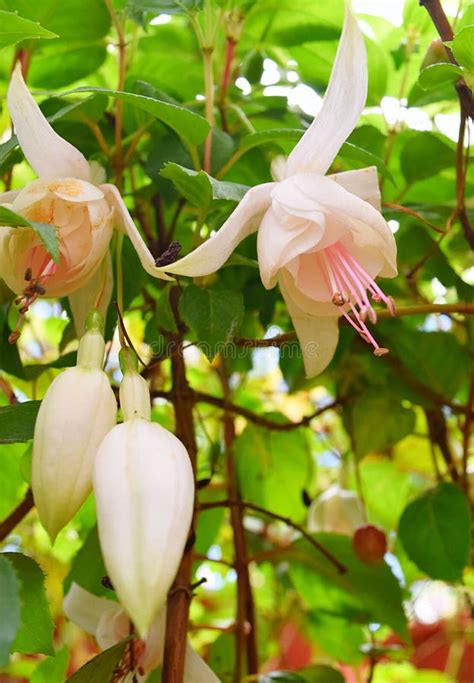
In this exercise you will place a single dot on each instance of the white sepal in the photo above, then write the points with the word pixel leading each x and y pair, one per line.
pixel 337 511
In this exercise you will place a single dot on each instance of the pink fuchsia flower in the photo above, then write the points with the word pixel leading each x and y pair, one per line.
pixel 66 196
pixel 109 624
pixel 321 238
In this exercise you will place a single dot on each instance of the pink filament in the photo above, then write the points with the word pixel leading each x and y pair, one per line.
pixel 352 285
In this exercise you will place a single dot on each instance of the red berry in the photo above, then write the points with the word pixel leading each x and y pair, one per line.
pixel 370 544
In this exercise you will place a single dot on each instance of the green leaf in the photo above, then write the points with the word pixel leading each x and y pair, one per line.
pixel 338 637
pixel 87 568
pixel 36 630
pixel 188 125
pixel 435 150
pixel 102 667
pixel 199 188
pixel 377 421
pixel 463 47
pixel 438 75
pixel 52 669
pixel 9 608
pixel 364 593
pixel 17 422
pixel 273 467
pixel 356 153
pixel 321 674
pixel 14 29
pixel 266 137
pixel 162 6
pixel 214 316
pixel 435 532
pixel 46 232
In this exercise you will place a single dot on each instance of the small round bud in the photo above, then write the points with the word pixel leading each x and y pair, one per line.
pixel 370 544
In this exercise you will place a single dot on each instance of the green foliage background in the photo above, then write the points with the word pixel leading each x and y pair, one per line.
pixel 397 429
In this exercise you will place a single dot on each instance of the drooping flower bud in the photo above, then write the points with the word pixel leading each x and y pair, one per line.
pixel 76 413
pixel 337 511
pixel 144 489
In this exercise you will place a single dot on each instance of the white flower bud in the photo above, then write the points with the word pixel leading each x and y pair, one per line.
pixel 337 511
pixel 76 413
pixel 144 489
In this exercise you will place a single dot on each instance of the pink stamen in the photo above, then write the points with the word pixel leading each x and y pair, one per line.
pixel 349 284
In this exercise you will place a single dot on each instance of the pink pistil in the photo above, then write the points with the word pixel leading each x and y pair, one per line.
pixel 351 286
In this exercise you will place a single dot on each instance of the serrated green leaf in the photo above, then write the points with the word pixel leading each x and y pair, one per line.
pixel 36 630
pixel 463 47
pixel 14 29
pixel 199 188
pixel 87 568
pixel 17 422
pixel 435 532
pixel 102 667
pixel 438 75
pixel 363 594
pixel 9 608
pixel 46 232
pixel 377 421
pixel 213 315
pixel 273 467
pixel 190 126
pixel 436 152
pixel 52 669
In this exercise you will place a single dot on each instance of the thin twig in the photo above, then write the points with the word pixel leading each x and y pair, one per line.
pixel 15 517
pixel 281 518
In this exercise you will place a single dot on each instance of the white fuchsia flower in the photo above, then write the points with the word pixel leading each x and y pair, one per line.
pixel 109 624
pixel 144 491
pixel 66 196
pixel 321 238
pixel 77 411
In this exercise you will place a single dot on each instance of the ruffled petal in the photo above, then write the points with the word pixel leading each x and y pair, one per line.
pixel 342 105
pixel 85 609
pixel 363 182
pixel 367 225
pixel 49 154
pixel 278 244
pixel 95 293
pixel 318 336
pixel 8 197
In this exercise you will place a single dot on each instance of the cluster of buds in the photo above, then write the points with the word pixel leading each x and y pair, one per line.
pixel 142 479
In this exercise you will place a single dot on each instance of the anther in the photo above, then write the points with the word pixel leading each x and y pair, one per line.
pixel 381 351
pixel 391 305
pixel 338 299
pixel 28 274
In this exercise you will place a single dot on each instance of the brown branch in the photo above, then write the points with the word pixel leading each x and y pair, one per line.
pixel 402 311
pixel 441 22
pixel 414 214
pixel 180 595
pixel 439 435
pixel 466 433
pixel 245 633
pixel 15 517
pixel 281 518
pixel 224 404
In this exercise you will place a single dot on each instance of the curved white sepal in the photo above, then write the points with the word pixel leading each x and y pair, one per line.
pixel 124 222
pixel 215 251
pixel 86 609
pixel 96 293
pixel 47 152
pixel 342 105
pixel 318 336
